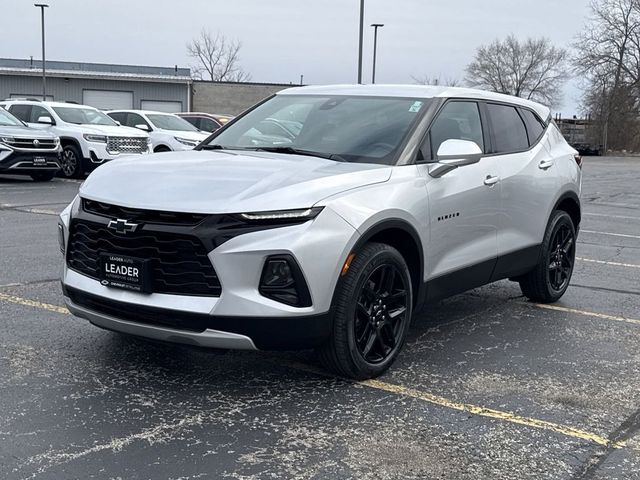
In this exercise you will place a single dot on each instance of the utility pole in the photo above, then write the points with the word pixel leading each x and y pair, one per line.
pixel 42 6
pixel 375 48
pixel 361 41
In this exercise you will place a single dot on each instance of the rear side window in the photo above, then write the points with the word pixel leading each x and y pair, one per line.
pixel 457 121
pixel 509 132
pixel 535 127
pixel 23 112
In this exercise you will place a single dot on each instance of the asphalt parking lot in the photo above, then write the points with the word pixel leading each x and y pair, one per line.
pixel 488 386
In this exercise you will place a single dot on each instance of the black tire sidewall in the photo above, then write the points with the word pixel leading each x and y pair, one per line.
pixel 368 262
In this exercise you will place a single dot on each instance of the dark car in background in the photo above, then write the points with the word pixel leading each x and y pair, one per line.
pixel 27 151
pixel 207 122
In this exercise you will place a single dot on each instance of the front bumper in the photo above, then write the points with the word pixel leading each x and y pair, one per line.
pixel 240 317
pixel 25 162
pixel 241 333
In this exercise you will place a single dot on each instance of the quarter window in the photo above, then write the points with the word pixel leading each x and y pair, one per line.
pixel 509 132
pixel 535 127
pixel 456 121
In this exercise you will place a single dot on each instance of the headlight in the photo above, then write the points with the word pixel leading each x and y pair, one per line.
pixel 300 214
pixel 95 138
pixel 186 141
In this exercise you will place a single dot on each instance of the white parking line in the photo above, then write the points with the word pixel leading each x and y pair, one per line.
pixel 611 234
pixel 611 216
pixel 602 262
pixel 557 308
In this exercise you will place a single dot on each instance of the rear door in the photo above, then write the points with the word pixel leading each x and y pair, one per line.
pixel 528 185
pixel 463 203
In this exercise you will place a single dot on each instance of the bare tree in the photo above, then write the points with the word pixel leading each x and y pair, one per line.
pixel 217 58
pixel 608 59
pixel 532 69
pixel 427 80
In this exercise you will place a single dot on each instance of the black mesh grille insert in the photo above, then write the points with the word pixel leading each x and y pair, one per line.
pixel 179 262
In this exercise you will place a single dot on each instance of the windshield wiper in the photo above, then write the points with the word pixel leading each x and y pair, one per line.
pixel 297 151
pixel 213 146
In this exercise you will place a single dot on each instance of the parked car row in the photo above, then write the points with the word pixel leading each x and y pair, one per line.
pixel 41 138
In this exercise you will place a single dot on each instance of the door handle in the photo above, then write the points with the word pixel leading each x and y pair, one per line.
pixel 490 181
pixel 543 165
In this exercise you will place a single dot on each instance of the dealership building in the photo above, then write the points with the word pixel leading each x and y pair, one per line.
pixel 110 87
pixel 100 85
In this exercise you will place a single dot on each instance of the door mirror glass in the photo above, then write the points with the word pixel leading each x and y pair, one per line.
pixel 45 120
pixel 142 126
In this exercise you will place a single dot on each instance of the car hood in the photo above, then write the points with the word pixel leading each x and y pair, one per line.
pixel 225 182
pixel 113 130
pixel 24 132
pixel 195 136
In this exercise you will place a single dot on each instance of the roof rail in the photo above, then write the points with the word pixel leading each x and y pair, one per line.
pixel 30 99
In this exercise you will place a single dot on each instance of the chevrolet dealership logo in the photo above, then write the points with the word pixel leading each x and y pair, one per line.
pixel 122 226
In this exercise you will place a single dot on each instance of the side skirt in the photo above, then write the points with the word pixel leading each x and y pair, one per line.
pixel 506 266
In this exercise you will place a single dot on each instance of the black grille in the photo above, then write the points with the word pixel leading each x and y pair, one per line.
pixel 137 215
pixel 179 262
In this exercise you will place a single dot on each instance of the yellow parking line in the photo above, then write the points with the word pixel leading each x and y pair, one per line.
pixel 602 262
pixel 412 392
pixel 33 303
pixel 469 408
pixel 588 314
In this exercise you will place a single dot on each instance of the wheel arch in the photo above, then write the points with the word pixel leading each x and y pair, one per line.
pixel 570 202
pixel 402 236
pixel 162 147
pixel 71 141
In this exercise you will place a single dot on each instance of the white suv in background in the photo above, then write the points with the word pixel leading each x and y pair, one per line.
pixel 167 131
pixel 88 137
pixel 387 197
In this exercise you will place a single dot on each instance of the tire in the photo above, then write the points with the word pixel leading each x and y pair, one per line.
pixel 43 176
pixel 71 162
pixel 367 336
pixel 549 280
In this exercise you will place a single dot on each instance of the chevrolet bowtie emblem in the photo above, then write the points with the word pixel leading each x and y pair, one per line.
pixel 122 226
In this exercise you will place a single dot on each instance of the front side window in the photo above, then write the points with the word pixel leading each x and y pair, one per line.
pixel 134 119
pixel 170 122
pixel 509 131
pixel 83 116
pixel 456 121
pixel 348 128
pixel 37 112
pixel 23 112
pixel 208 125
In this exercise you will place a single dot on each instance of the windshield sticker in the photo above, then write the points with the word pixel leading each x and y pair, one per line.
pixel 415 107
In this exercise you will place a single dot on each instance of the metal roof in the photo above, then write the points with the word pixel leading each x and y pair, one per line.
pixel 416 91
pixel 16 66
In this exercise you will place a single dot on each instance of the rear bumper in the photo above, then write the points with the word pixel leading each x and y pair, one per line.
pixel 213 331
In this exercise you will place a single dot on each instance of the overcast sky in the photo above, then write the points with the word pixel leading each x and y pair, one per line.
pixel 283 39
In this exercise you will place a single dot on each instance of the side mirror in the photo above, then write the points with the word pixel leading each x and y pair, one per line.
pixel 142 126
pixel 119 124
pixel 453 154
pixel 45 120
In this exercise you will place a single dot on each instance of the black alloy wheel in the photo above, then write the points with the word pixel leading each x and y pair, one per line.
pixel 373 304
pixel 70 162
pixel 380 313
pixel 561 258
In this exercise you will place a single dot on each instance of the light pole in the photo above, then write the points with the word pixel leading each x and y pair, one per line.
pixel 375 26
pixel 42 6
pixel 361 41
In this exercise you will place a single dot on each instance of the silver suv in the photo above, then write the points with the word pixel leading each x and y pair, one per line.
pixel 376 200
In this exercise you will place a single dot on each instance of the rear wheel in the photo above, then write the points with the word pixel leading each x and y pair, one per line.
pixel 373 306
pixel 42 176
pixel 71 162
pixel 550 279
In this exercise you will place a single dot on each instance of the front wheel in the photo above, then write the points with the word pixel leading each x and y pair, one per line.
pixel 373 307
pixel 71 162
pixel 550 279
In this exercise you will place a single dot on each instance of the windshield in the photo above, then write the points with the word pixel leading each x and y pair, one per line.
pixel 349 128
pixel 8 120
pixel 170 122
pixel 83 116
